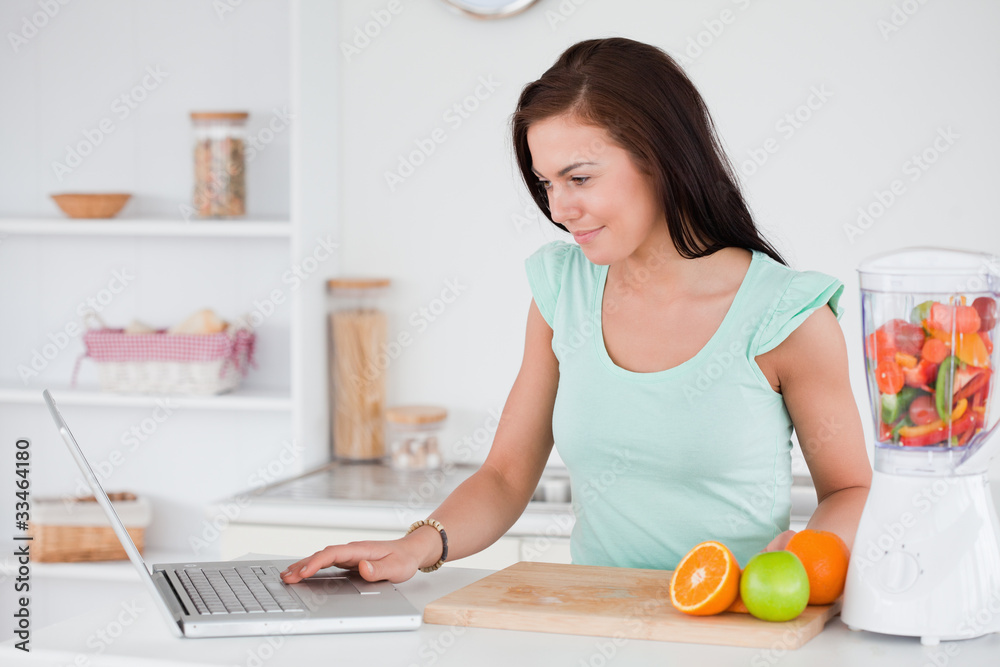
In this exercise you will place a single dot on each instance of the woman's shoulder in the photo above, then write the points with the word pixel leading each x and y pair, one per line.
pixel 554 258
pixel 788 296
pixel 786 279
pixel 547 269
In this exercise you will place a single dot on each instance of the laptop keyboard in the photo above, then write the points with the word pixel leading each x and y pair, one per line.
pixel 237 590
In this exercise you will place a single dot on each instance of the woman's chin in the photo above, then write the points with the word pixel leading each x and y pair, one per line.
pixel 596 256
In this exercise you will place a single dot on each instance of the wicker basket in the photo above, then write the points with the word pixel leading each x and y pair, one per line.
pixel 104 205
pixel 169 363
pixel 76 530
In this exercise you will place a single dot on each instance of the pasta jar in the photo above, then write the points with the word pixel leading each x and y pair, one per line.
pixel 357 338
pixel 219 163
pixel 413 433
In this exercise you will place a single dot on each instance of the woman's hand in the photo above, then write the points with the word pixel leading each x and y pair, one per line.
pixel 780 542
pixel 395 560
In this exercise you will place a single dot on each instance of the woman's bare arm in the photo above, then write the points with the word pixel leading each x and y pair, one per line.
pixel 486 505
pixel 812 370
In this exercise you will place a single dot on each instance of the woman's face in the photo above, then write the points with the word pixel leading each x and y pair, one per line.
pixel 595 189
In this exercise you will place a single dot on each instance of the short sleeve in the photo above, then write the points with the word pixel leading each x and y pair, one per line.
pixel 545 269
pixel 805 293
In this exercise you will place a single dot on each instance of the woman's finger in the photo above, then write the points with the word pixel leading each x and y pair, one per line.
pixel 343 555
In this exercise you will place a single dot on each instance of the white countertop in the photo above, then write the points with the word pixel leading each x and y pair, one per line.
pixel 145 642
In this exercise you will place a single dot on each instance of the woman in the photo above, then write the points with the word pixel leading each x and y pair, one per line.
pixel 668 353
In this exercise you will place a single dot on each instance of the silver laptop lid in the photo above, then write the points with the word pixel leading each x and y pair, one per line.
pixel 109 510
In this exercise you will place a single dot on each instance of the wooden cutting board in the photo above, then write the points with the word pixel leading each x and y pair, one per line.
pixel 609 602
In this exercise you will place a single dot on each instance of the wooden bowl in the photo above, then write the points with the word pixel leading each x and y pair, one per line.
pixel 94 205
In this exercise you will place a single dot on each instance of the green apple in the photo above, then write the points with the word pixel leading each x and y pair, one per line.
pixel 775 586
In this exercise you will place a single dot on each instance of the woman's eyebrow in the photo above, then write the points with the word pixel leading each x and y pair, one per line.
pixel 565 170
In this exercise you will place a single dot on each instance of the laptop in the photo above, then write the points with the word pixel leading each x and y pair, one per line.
pixel 248 597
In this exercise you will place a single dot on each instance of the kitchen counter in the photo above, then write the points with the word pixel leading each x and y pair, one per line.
pixel 144 641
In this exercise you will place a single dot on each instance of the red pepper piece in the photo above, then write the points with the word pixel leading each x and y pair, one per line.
pixel 921 376
pixel 977 382
pixel 884 431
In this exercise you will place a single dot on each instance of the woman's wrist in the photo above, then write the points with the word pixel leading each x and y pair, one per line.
pixel 427 545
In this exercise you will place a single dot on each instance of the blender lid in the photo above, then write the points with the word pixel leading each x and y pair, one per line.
pixel 931 270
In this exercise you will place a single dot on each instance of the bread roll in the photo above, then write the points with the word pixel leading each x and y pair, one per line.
pixel 203 322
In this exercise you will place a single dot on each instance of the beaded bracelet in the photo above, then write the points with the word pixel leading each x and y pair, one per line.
pixel 444 541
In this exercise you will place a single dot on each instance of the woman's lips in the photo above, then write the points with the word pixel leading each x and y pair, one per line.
pixel 586 237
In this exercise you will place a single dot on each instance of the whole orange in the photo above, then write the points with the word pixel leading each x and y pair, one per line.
pixel 825 556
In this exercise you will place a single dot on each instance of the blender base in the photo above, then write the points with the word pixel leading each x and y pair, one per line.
pixel 926 559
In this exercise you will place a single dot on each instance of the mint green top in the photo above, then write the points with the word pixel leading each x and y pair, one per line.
pixel 661 461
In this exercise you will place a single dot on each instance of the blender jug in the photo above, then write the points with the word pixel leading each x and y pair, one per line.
pixel 929 319
pixel 926 557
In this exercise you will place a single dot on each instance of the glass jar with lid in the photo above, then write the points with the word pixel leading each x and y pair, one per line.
pixel 219 163
pixel 413 433
pixel 357 336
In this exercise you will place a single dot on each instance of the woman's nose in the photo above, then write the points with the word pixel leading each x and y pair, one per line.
pixel 562 206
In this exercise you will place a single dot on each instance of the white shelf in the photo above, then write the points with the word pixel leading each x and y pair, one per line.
pixel 241 399
pixel 146 227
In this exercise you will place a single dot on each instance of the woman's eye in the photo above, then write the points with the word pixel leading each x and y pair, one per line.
pixel 579 180
pixel 544 186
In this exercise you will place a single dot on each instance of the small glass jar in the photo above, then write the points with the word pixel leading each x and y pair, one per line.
pixel 219 163
pixel 414 433
pixel 357 335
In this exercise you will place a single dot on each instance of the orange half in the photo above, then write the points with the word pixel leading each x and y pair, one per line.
pixel 706 581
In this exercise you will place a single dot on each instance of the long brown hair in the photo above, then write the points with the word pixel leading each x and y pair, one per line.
pixel 643 99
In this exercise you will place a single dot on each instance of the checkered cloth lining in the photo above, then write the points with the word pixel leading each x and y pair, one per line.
pixel 115 345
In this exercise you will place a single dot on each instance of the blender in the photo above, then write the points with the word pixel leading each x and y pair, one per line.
pixel 926 557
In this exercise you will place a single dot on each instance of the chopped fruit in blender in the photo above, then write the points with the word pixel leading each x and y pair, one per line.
pixel 971 349
pixel 907 338
pixel 934 350
pixel 889 377
pixel 921 376
pixel 921 312
pixel 884 430
pixel 944 364
pixel 987 311
pixel 943 390
pixel 974 384
pixel 879 346
pixel 922 410
pixel 964 319
pixel 936 432
pixel 892 337
pixel 894 405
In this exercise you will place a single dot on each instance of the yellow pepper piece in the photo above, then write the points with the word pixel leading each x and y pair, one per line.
pixel 971 349
pixel 914 431
pixel 906 360
pixel 959 409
